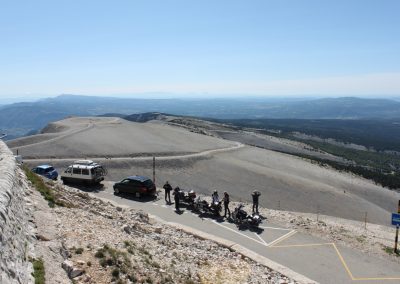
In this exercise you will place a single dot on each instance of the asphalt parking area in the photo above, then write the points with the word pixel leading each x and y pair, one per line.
pixel 278 238
pixel 325 262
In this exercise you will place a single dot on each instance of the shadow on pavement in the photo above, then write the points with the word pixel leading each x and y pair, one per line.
pixel 179 212
pixel 146 198
pixel 245 227
pixel 87 188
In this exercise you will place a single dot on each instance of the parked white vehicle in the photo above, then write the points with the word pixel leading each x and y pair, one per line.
pixel 84 171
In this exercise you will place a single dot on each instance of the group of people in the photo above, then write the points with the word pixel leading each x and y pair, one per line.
pixel 215 198
pixel 168 188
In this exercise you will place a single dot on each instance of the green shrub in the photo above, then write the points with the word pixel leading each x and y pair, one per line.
pixel 38 271
pixel 79 250
pixel 99 253
pixel 115 273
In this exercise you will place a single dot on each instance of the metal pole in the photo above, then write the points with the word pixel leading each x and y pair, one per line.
pixel 397 232
pixel 154 170
pixel 365 220
pixel 396 239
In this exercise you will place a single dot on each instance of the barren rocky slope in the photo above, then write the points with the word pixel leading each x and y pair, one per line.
pixel 16 235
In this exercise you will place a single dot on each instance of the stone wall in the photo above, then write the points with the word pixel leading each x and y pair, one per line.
pixel 16 239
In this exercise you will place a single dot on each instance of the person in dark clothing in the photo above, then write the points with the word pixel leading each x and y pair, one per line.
pixel 256 194
pixel 226 204
pixel 176 198
pixel 167 187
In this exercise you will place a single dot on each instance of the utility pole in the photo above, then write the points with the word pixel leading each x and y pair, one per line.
pixel 154 169
pixel 365 220
pixel 397 231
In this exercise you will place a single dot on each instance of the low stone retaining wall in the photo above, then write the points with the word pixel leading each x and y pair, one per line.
pixel 16 239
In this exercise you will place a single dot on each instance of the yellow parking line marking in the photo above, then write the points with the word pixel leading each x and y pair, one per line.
pixel 284 237
pixel 377 279
pixel 346 267
pixel 274 228
pixel 360 278
pixel 305 245
pixel 343 262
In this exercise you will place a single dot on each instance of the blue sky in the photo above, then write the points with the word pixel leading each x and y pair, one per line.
pixel 200 48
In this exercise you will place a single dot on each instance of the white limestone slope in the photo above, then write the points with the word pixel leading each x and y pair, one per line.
pixel 16 239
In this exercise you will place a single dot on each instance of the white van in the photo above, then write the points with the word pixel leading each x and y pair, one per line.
pixel 84 171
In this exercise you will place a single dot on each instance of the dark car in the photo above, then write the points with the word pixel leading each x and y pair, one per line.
pixel 138 185
pixel 46 171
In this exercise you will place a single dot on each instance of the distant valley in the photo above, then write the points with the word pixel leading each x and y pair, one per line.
pixel 20 119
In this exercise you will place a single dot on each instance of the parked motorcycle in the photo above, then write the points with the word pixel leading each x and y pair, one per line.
pixel 203 206
pixel 240 217
pixel 216 208
pixel 187 197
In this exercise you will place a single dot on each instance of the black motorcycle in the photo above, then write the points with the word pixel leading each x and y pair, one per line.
pixel 240 217
pixel 187 197
pixel 216 208
pixel 203 206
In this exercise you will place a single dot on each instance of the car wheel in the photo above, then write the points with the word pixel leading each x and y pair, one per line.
pixel 116 190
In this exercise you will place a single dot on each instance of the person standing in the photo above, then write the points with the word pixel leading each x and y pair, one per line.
pixel 215 197
pixel 176 198
pixel 256 194
pixel 167 187
pixel 226 204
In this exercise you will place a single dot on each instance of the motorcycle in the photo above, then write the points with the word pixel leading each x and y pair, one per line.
pixel 187 197
pixel 204 207
pixel 240 217
pixel 216 208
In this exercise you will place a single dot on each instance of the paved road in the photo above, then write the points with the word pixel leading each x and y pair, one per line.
pixel 315 258
pixel 145 158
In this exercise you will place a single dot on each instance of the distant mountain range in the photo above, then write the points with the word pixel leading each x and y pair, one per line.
pixel 21 119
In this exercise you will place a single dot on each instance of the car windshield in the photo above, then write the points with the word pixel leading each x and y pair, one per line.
pixel 50 169
pixel 148 183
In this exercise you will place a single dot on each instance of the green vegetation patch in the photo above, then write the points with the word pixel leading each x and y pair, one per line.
pixel 46 191
pixel 390 250
pixel 38 271
pixel 116 259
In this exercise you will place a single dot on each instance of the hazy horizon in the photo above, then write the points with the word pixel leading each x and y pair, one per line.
pixel 155 95
pixel 197 48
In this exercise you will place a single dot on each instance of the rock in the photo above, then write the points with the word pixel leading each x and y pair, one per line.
pixel 42 238
pixel 144 217
pixel 119 209
pixel 67 265
pixel 126 229
pixel 76 272
pixel 158 230
pixel 72 271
